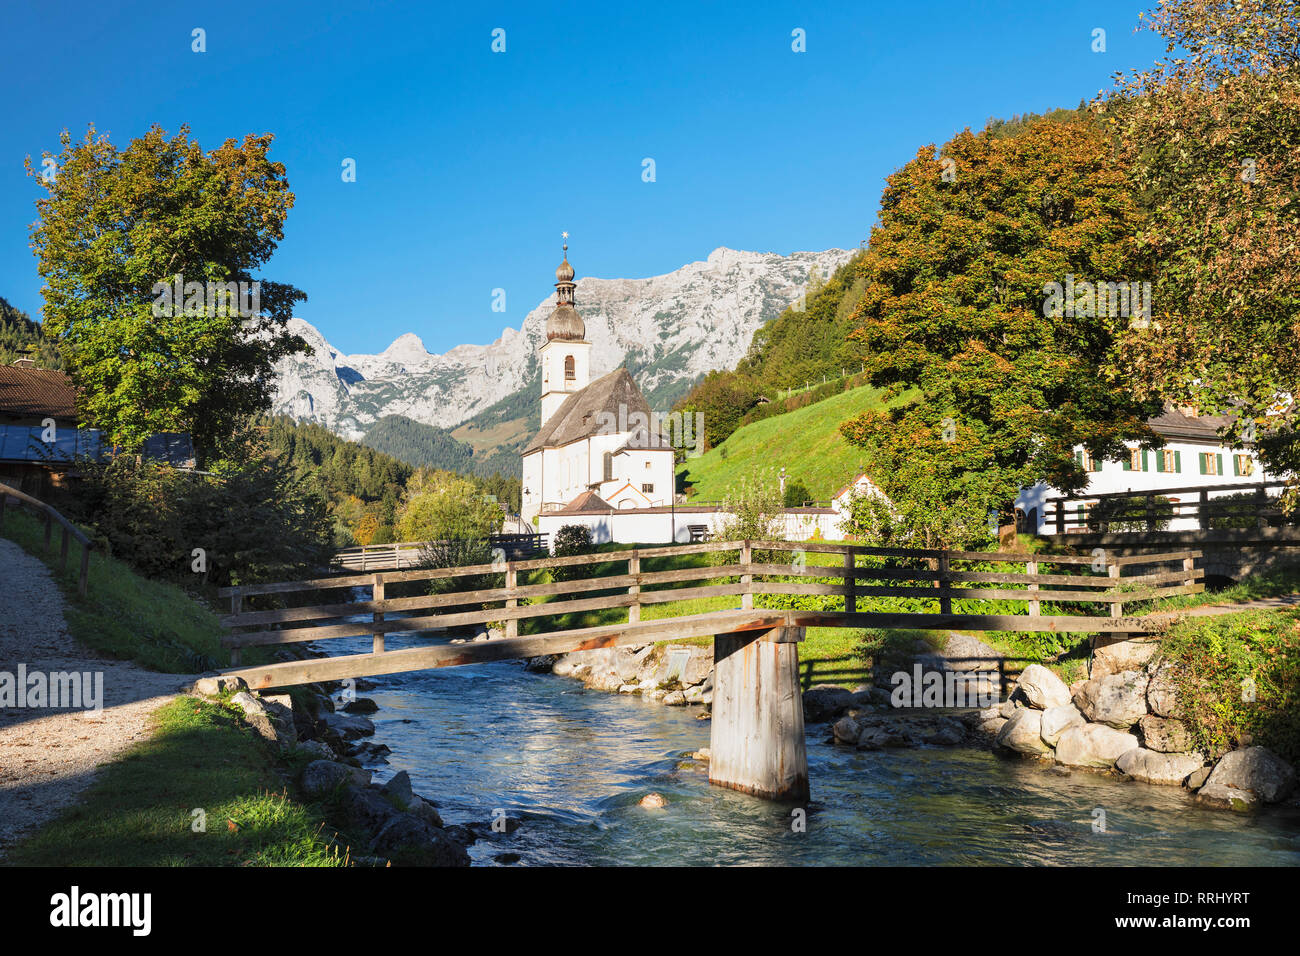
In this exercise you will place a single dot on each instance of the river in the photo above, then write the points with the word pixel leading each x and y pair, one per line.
pixel 572 764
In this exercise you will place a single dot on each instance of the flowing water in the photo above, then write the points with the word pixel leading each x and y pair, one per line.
pixel 572 764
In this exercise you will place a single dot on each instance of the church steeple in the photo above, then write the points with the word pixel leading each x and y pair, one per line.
pixel 565 323
pixel 566 354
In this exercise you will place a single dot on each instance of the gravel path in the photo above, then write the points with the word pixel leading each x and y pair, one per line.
pixel 49 755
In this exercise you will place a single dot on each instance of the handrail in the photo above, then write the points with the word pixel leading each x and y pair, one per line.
pixel 51 515
pixel 936 577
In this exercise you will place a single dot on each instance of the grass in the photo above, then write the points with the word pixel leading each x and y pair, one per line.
pixel 127 616
pixel 140 812
pixel 806 441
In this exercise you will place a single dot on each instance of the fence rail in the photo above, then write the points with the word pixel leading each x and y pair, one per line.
pixel 1208 506
pixel 495 593
pixel 52 517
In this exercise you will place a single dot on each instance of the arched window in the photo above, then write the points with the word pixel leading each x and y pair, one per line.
pixel 609 466
pixel 569 373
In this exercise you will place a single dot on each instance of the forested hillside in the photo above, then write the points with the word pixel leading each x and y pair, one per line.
pixel 418 444
pixel 22 337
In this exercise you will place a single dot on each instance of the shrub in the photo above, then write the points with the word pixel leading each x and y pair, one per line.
pixel 1130 514
pixel 570 540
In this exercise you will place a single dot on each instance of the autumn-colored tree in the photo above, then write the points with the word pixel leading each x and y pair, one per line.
pixel 997 393
pixel 1211 136
pixel 116 223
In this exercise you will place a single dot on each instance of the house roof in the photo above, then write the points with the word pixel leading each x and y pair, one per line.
pixel 1171 423
pixel 582 412
pixel 585 504
pixel 32 392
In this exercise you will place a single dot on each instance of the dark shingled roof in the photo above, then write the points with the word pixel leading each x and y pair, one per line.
pixel 36 392
pixel 1171 423
pixel 582 412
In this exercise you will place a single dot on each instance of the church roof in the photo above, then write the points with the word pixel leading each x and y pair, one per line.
pixel 586 503
pixel 583 413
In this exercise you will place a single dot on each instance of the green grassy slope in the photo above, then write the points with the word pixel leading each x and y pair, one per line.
pixel 806 442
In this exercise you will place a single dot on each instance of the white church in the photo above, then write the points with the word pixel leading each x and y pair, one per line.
pixel 599 450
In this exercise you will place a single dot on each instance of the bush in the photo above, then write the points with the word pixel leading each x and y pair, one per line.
pixel 752 514
pixel 570 540
pixel 1130 514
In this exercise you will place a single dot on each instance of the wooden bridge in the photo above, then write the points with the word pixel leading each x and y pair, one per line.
pixel 757 731
pixel 407 554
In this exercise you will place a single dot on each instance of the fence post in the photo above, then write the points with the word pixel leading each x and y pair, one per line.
pixel 1189 565
pixel 1113 572
pixel 1261 499
pixel 63 549
pixel 377 594
pixel 1203 513
pixel 236 600
pixel 850 582
pixel 945 595
pixel 512 579
pixel 634 569
pixel 49 531
pixel 1150 501
pixel 85 569
pixel 1060 516
pixel 1031 569
pixel 746 559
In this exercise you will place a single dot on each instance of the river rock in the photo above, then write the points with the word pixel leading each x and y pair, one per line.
pixel 1120 656
pixel 541 665
pixel 1162 693
pixel 215 686
pixel 423 809
pixel 398 789
pixel 1166 735
pixel 1118 700
pixel 653 801
pixel 1057 720
pixel 846 731
pixel 321 777
pixel 1023 733
pixel 1008 708
pixel 1198 777
pixel 367 809
pixel 1165 769
pixel 824 702
pixel 349 726
pixel 993 726
pixel 675 698
pixel 1247 777
pixel 1042 688
pixel 1093 745
pixel 362 705
pixel 316 748
pixel 948 733
pixel 407 840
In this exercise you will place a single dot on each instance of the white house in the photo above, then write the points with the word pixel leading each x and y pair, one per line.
pixel 599 444
pixel 1193 457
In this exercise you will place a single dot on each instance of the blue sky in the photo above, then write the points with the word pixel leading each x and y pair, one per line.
pixel 470 163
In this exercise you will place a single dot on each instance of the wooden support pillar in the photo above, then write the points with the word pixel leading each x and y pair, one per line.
pixel 236 600
pixel 377 594
pixel 512 581
pixel 634 570
pixel 1031 569
pixel 850 583
pixel 757 739
pixel 1116 607
pixel 746 558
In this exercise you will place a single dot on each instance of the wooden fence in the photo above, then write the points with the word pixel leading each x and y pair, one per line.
pixel 51 518
pixel 497 594
pixel 406 554
pixel 1210 507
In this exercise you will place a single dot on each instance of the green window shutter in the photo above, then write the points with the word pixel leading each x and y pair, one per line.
pixel 1127 463
pixel 1202 460
pixel 1178 462
pixel 1078 458
pixel 1160 461
pixel 1236 465
pixel 1146 460
pixel 1220 464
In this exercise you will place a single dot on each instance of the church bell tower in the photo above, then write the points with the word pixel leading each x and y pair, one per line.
pixel 566 356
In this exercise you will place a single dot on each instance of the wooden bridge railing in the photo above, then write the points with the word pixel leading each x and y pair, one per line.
pixel 51 518
pixel 1211 507
pixel 495 594
pixel 406 554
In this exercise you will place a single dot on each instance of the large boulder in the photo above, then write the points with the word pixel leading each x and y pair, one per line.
pixel 1166 735
pixel 1042 688
pixel 408 840
pixel 1165 769
pixel 1247 777
pixel 825 702
pixel 367 809
pixel 1162 693
pixel 1118 700
pixel 1094 746
pixel 349 726
pixel 1057 720
pixel 321 777
pixel 846 731
pixel 1023 733
pixel 398 790
pixel 1120 656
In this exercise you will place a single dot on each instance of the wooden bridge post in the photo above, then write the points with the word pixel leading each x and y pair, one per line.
pixel 512 580
pixel 634 570
pixel 747 558
pixel 236 600
pixel 377 594
pixel 1031 569
pixel 850 583
pixel 756 742
pixel 1113 571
